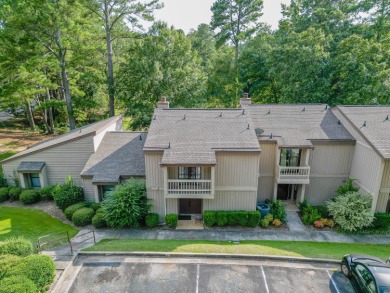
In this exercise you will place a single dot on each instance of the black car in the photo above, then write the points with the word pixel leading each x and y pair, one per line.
pixel 367 273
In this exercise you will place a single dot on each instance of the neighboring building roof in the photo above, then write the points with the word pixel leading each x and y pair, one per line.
pixel 120 154
pixel 296 125
pixel 192 136
pixel 373 123
pixel 30 166
pixel 90 129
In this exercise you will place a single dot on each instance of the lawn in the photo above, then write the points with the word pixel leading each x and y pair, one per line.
pixel 282 248
pixel 29 223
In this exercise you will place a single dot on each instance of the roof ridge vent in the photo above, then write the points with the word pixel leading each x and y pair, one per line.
pixel 184 117
pixel 364 124
pixel 326 107
pixel 269 112
pixel 271 136
pixel 220 115
pixel 304 109
pixel 243 111
pixel 247 127
pixel 169 145
pixel 140 137
pixel 154 117
pixel 339 122
pixel 387 118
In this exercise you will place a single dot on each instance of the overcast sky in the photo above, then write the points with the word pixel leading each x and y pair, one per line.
pixel 188 14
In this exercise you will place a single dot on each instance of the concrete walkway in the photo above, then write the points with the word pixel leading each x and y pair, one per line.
pixel 294 223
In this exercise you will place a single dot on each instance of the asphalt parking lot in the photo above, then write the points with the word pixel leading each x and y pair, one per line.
pixel 126 274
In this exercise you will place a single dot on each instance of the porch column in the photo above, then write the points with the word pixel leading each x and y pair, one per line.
pixel 307 157
pixel 302 197
pixel 212 180
pixel 165 171
pixel 22 181
pixel 96 191
pixel 275 190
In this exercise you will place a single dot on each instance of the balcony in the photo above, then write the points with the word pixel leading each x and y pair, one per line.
pixel 292 175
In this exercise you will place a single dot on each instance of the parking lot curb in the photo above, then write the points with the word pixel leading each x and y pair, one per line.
pixel 210 255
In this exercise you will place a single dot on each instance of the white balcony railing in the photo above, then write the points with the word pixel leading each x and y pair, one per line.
pixel 291 175
pixel 189 187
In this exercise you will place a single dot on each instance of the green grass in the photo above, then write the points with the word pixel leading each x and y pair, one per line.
pixel 30 224
pixel 282 248
pixel 5 155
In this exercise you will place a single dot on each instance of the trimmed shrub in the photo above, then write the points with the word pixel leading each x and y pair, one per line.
pixel 69 211
pixel 3 181
pixel 14 193
pixel 209 218
pixel 330 223
pixel 242 218
pixel 126 205
pixel 46 192
pixel 16 246
pixel 83 216
pixel 323 211
pixel 347 187
pixel 232 218
pixel 381 221
pixel 99 211
pixel 351 211
pixel 29 196
pixel 221 218
pixel 17 284
pixel 151 220
pixel 302 205
pixel 253 218
pixel 7 261
pixel 67 194
pixel 171 220
pixel 38 268
pixel 319 224
pixel 278 211
pixel 264 223
pixel 95 206
pixel 269 218
pixel 98 222
pixel 4 194
pixel 277 223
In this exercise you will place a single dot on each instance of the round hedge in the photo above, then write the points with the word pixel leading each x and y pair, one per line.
pixel 4 194
pixel 83 216
pixel 69 211
pixel 46 192
pixel 30 196
pixel 38 268
pixel 14 193
pixel 16 246
pixel 95 206
pixel 151 220
pixel 17 284
pixel 98 222
pixel 7 261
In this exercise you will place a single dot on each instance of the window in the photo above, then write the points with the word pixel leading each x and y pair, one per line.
pixel 34 180
pixel 366 278
pixel 290 157
pixel 103 191
pixel 189 173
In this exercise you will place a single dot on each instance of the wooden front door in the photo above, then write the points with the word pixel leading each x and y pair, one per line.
pixel 190 206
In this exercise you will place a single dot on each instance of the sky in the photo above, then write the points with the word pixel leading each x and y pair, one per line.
pixel 188 14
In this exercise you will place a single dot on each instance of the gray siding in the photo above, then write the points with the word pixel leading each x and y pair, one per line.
pixel 330 164
pixel 63 160
pixel 155 183
pixel 89 190
pixel 231 200
pixel 172 206
pixel 266 171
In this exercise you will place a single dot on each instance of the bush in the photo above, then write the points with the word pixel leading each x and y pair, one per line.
pixel 277 223
pixel 302 205
pixel 351 211
pixel 151 220
pixel 16 246
pixel 7 261
pixel 99 211
pixel 95 206
pixel 269 218
pixel 209 218
pixel 319 224
pixel 46 192
pixel 323 211
pixel 310 215
pixel 69 211
pixel 232 218
pixel 171 220
pixel 38 268
pixel 14 193
pixel 30 196
pixel 17 284
pixel 221 218
pixel 381 221
pixel 98 222
pixel 126 205
pixel 3 181
pixel 253 218
pixel 347 187
pixel 278 210
pixel 330 223
pixel 242 218
pixel 83 216
pixel 4 194
pixel 67 194
pixel 264 223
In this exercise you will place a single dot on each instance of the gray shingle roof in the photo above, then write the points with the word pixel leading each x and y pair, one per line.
pixel 30 166
pixel 296 125
pixel 120 154
pixel 90 129
pixel 192 136
pixel 377 129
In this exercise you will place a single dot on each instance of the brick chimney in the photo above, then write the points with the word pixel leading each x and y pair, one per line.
pixel 245 100
pixel 163 103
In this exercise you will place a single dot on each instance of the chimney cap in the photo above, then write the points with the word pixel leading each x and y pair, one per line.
pixel 163 103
